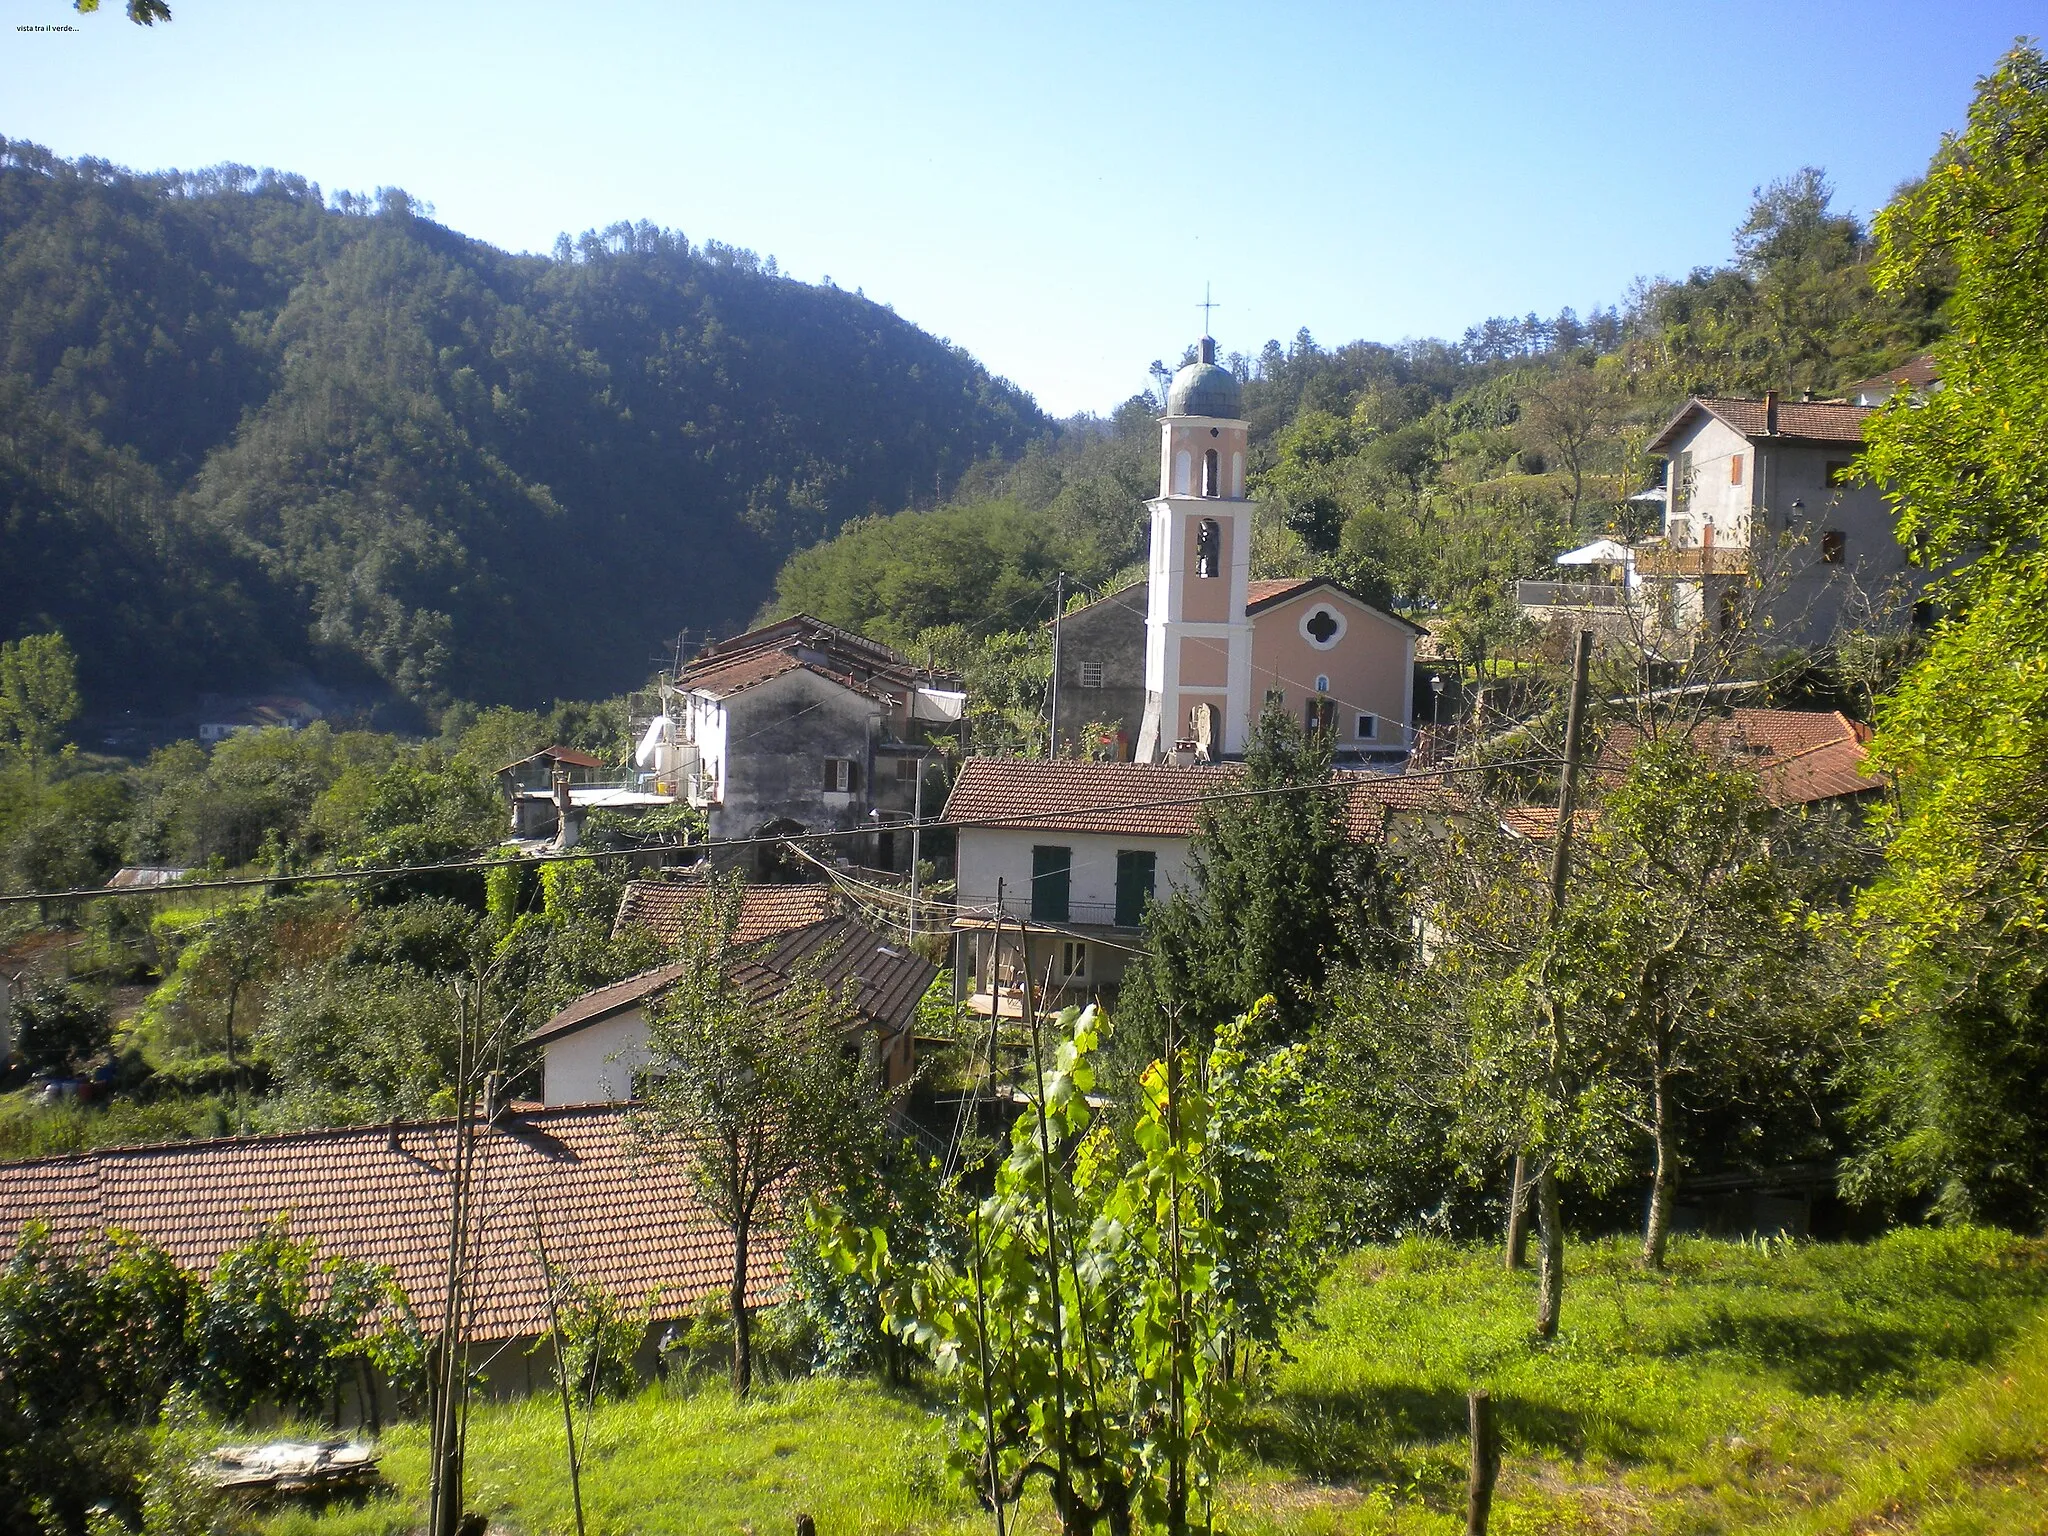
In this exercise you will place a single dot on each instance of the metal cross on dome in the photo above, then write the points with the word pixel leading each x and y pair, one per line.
pixel 1205 306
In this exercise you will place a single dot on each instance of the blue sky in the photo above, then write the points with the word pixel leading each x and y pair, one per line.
pixel 1050 186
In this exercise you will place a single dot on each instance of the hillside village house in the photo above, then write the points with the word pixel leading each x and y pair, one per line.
pixel 1763 523
pixel 1057 861
pixel 551 792
pixel 797 727
pixel 595 1050
pixel 1219 646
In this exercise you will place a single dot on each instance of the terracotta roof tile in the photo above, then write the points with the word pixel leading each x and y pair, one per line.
pixel 1030 792
pixel 1800 756
pixel 614 1210
pixel 1151 799
pixel 662 907
pixel 889 980
pixel 1813 421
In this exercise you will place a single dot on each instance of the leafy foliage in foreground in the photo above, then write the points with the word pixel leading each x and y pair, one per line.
pixel 1958 1084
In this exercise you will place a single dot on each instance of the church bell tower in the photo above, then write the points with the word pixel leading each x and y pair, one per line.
pixel 1198 642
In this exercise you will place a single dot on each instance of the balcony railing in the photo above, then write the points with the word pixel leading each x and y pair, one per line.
pixel 1692 562
pixel 1089 914
pixel 1569 594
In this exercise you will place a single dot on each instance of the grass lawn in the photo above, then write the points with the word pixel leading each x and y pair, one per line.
pixel 1895 1386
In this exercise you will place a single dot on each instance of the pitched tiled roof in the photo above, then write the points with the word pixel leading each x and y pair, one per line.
pixel 1260 595
pixel 1812 421
pixel 1800 756
pixel 1257 592
pixel 889 980
pixel 1054 796
pixel 613 1211
pixel 1034 793
pixel 725 679
pixel 1915 373
pixel 568 757
pixel 662 907
pixel 802 628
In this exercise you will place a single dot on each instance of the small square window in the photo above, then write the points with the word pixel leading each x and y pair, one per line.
pixel 1833 545
pixel 1368 727
pixel 1091 674
pixel 906 768
pixel 839 775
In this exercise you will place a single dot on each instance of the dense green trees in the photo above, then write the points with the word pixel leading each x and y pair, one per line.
pixel 1958 1088
pixel 241 426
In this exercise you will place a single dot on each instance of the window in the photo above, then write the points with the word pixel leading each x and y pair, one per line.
pixel 1209 548
pixel 1735 469
pixel 1838 472
pixel 1135 872
pixel 1368 727
pixel 1322 627
pixel 1091 674
pixel 1181 461
pixel 1320 714
pixel 1073 960
pixel 1276 698
pixel 840 775
pixel 1210 474
pixel 1833 545
pixel 1052 874
pixel 906 768
pixel 1681 484
pixel 1322 683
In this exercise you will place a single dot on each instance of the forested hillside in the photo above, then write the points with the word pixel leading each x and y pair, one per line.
pixel 244 426
pixel 1428 475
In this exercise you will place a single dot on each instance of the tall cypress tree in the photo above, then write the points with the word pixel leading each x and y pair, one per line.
pixel 1280 894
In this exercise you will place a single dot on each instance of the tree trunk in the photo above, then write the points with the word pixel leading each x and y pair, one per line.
pixel 742 1334
pixel 1517 1254
pixel 1550 1256
pixel 1664 1187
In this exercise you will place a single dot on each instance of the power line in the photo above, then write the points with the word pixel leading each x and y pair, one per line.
pixel 712 846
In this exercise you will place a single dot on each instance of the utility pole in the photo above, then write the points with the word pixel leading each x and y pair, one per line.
pixel 1560 867
pixel 1059 603
pixel 916 833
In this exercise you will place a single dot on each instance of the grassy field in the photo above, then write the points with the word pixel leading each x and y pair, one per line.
pixel 1810 1390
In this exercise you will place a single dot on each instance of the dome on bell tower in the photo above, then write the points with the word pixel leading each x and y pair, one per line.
pixel 1205 389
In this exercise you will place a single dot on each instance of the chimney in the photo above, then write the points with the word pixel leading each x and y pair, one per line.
pixel 566 829
pixel 1770 413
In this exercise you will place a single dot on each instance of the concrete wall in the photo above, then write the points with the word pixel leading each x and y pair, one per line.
pixel 991 854
pixel 1110 633
pixel 1805 599
pixel 1370 665
pixel 595 1065
pixel 775 739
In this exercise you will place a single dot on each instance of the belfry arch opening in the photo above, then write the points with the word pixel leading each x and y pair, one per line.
pixel 1212 474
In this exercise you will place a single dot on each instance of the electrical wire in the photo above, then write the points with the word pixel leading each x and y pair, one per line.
pixel 1020 819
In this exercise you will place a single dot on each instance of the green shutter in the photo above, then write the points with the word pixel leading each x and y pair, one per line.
pixel 1052 873
pixel 1134 875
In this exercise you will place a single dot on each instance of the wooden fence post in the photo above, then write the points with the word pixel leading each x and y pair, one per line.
pixel 1485 1463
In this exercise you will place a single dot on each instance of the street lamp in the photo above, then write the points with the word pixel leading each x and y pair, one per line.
pixel 1436 694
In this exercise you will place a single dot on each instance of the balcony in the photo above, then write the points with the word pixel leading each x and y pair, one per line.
pixel 1667 562
pixel 1569 594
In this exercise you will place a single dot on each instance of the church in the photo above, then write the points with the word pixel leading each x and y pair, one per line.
pixel 1202 647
